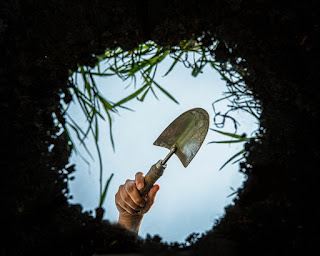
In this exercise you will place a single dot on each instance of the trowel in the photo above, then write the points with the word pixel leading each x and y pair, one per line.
pixel 183 137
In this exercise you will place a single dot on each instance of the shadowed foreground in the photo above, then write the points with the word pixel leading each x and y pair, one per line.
pixel 274 213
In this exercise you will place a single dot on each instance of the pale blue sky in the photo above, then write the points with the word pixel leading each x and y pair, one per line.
pixel 190 199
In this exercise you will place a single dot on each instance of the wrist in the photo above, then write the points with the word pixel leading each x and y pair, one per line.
pixel 131 223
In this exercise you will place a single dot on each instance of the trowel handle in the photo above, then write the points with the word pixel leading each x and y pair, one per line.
pixel 152 176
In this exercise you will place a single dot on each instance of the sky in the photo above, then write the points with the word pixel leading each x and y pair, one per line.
pixel 190 199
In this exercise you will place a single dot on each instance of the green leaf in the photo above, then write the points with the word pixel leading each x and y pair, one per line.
pixel 100 161
pixel 238 160
pixel 86 83
pixel 144 95
pixel 78 93
pixel 146 79
pixel 136 67
pixel 106 104
pixel 98 113
pixel 103 195
pixel 68 137
pixel 226 141
pixel 90 120
pixel 96 73
pixel 174 63
pixel 232 135
pixel 110 130
pixel 195 71
pixel 233 193
pixel 96 129
pixel 166 93
pixel 101 74
pixel 154 93
pixel 130 97
pixel 233 157
pixel 126 108
pixel 77 129
pixel 220 72
pixel 82 102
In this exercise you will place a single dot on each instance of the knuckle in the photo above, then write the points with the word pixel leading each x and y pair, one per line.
pixel 125 197
pixel 117 195
pixel 130 187
pixel 139 174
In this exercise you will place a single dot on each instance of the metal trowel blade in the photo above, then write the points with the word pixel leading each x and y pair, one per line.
pixel 187 133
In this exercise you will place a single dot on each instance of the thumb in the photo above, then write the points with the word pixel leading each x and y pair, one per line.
pixel 150 198
pixel 153 191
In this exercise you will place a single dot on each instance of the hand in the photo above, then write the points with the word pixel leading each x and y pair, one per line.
pixel 131 205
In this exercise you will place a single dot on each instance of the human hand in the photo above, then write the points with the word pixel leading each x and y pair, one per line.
pixel 131 205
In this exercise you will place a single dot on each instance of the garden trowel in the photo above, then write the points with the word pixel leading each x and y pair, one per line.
pixel 184 137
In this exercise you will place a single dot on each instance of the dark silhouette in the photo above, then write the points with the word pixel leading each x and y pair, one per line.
pixel 275 213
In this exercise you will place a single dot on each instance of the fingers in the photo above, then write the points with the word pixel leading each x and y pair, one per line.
pixel 128 200
pixel 134 197
pixel 139 180
pixel 123 207
pixel 124 201
pixel 150 198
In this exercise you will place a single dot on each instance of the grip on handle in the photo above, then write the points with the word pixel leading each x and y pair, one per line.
pixel 152 176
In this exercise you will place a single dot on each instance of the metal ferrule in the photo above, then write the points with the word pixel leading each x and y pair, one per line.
pixel 160 167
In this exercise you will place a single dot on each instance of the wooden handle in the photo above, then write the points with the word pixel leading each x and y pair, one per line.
pixel 152 176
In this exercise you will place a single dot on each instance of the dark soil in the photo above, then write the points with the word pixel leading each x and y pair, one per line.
pixel 276 212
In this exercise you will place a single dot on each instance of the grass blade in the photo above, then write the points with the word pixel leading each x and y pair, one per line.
pixel 238 160
pixel 106 104
pixel 76 128
pixel 144 95
pixel 86 83
pixel 233 193
pixel 104 193
pixel 226 141
pixel 231 135
pixel 96 73
pixel 233 157
pixel 166 93
pixel 174 63
pixel 130 97
pixel 110 130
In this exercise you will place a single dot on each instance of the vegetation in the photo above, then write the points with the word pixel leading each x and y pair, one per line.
pixel 278 45
pixel 144 61
pixel 235 139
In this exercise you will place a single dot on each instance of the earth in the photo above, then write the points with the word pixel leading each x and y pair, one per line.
pixel 275 213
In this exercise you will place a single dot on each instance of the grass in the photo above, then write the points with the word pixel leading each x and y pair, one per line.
pixel 143 61
pixel 234 138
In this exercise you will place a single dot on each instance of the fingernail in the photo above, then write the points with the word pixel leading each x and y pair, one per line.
pixel 140 186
